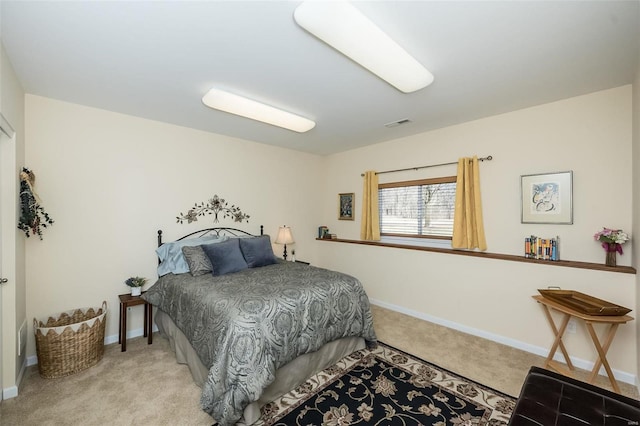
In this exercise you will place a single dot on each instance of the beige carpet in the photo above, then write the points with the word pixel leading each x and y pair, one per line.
pixel 145 386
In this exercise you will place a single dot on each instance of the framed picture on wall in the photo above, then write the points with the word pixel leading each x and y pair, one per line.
pixel 346 206
pixel 547 198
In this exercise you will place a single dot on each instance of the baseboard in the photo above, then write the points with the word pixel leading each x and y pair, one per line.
pixel 108 340
pixel 622 376
pixel 12 391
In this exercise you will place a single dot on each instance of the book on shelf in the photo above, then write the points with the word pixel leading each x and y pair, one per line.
pixel 323 231
pixel 542 248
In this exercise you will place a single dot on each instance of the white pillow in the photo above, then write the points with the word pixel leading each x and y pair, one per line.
pixel 171 258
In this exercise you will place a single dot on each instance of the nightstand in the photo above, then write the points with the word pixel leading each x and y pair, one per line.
pixel 302 261
pixel 126 301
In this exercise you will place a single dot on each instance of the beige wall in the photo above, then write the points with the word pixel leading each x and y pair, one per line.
pixel 110 181
pixel 13 252
pixel 590 135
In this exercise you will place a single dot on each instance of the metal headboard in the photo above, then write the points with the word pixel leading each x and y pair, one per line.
pixel 233 232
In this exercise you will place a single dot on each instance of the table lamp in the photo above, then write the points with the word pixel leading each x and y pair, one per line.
pixel 284 237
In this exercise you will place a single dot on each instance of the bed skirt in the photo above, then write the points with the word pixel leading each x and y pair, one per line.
pixel 287 377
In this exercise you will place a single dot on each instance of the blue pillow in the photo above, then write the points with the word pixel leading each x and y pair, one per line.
pixel 257 251
pixel 171 257
pixel 225 257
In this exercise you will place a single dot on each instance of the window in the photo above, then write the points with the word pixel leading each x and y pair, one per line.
pixel 418 208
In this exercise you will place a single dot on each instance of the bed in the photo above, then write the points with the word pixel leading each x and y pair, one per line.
pixel 252 327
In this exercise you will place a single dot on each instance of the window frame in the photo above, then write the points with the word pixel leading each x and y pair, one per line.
pixel 416 182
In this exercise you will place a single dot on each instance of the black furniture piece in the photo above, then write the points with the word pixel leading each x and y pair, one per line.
pixel 549 399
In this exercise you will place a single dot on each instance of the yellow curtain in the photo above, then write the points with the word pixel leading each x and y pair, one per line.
pixel 370 226
pixel 468 228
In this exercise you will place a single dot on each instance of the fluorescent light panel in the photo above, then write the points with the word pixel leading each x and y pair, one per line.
pixel 346 29
pixel 238 105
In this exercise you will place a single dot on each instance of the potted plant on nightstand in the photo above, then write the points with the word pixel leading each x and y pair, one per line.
pixel 136 284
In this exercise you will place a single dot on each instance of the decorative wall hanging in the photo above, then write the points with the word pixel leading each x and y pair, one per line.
pixel 345 206
pixel 214 206
pixel 547 198
pixel 32 215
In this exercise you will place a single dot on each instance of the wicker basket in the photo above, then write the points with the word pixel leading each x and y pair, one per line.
pixel 72 342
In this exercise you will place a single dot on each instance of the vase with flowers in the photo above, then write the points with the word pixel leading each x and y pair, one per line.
pixel 136 284
pixel 612 240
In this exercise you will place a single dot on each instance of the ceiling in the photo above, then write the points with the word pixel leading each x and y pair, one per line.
pixel 157 59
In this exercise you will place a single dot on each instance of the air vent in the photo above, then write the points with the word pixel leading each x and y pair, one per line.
pixel 398 123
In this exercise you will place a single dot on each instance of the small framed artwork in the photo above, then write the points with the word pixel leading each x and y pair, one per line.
pixel 345 206
pixel 547 198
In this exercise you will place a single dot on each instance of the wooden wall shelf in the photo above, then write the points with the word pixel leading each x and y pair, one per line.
pixel 508 257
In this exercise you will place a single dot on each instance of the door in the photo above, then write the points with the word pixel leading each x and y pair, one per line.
pixel 6 199
pixel 3 280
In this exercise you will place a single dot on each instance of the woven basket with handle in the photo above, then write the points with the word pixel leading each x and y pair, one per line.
pixel 71 341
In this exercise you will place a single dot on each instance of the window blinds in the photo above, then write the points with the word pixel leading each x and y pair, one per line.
pixel 417 210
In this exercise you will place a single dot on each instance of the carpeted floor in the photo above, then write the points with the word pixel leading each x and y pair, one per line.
pixel 145 386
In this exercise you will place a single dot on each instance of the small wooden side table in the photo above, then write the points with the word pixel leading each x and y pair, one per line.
pixel 589 320
pixel 127 300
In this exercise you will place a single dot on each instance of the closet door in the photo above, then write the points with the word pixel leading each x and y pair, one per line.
pixel 6 203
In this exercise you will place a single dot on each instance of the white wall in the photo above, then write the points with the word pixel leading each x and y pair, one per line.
pixel 110 181
pixel 590 135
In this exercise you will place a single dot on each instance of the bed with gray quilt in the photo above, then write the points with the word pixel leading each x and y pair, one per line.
pixel 246 326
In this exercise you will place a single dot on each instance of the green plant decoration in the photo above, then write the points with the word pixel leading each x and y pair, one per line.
pixel 214 206
pixel 32 215
pixel 136 281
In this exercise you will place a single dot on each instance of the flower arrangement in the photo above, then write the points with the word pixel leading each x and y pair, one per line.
pixel 612 236
pixel 136 281
pixel 612 240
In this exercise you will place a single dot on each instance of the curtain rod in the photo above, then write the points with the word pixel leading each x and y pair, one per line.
pixel 487 158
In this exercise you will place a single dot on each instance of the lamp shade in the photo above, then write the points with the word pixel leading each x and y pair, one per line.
pixel 284 236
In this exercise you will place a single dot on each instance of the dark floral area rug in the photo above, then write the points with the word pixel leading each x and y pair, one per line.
pixel 385 386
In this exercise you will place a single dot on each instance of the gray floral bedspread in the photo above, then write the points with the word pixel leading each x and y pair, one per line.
pixel 247 324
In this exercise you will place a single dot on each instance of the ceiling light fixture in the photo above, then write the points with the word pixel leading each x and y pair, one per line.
pixel 238 105
pixel 346 29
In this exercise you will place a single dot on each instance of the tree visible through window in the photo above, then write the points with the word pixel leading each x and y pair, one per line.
pixel 419 208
